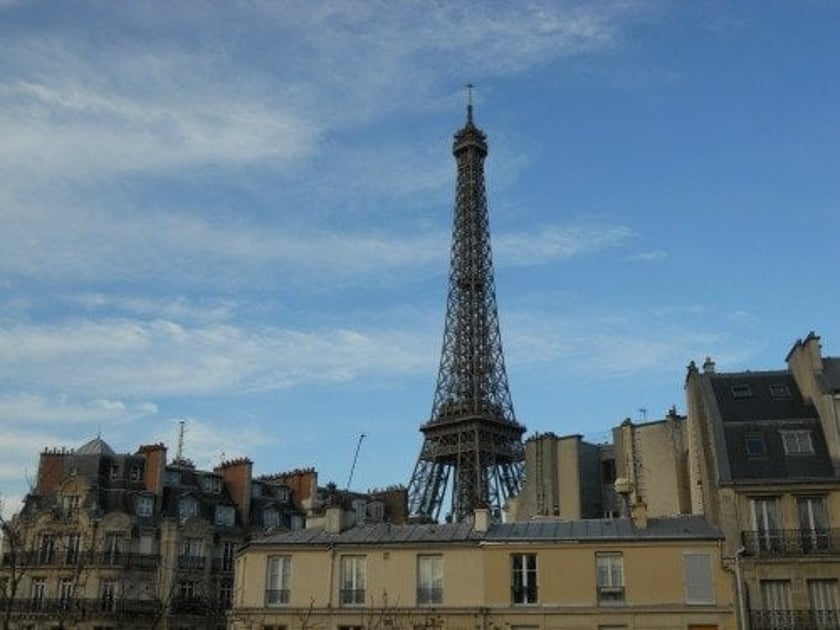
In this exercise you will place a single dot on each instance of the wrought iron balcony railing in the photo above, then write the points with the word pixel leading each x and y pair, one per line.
pixel 276 596
pixel 794 620
pixel 791 542
pixel 352 596
pixel 192 563
pixel 429 595
pixel 86 606
pixel 120 559
pixel 222 565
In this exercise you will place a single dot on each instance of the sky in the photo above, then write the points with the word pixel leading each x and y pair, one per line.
pixel 237 215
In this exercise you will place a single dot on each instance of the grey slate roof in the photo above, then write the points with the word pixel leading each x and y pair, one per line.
pixel 761 417
pixel 829 380
pixel 674 528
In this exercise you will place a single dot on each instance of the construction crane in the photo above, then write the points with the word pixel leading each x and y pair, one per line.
pixel 355 459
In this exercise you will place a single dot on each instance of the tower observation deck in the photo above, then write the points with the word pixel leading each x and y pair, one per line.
pixel 472 449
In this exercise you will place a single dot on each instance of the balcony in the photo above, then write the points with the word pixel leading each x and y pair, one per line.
pixel 350 596
pixel 222 565
pixel 794 620
pixel 276 596
pixel 791 542
pixel 86 607
pixel 192 563
pixel 429 595
pixel 123 560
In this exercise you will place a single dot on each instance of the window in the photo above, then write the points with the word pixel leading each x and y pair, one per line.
pixel 72 556
pixel 608 472
pixel 271 518
pixel 228 551
pixel 813 523
pixel 226 594
pixel 46 552
pixel 135 473
pixel 65 593
pixel 37 589
pixel 225 515
pixel 145 505
pixel 741 391
pixel 797 442
pixel 278 572
pixel 172 477
pixel 775 597
pixel 145 544
pixel 698 579
pixel 353 580
pixel 282 493
pixel 610 576
pixel 429 579
pixel 767 520
pixel 754 445
pixel 114 471
pixel 187 508
pixel 191 554
pixel 823 598
pixel 112 547
pixel 780 391
pixel 107 594
pixel 213 485
pixel 71 503
pixel 523 583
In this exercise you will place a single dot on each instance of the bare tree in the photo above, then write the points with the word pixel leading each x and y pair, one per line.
pixel 15 561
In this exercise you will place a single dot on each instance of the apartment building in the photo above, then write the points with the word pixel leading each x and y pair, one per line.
pixel 108 540
pixel 592 574
pixel 763 454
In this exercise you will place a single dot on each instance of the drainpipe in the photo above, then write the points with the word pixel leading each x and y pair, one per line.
pixel 739 585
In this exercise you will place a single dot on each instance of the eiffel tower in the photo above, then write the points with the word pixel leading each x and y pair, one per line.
pixel 472 445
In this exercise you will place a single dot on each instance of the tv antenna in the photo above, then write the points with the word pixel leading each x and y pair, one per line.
pixel 355 459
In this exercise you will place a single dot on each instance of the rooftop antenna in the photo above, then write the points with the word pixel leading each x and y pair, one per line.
pixel 469 87
pixel 355 459
pixel 643 413
pixel 179 456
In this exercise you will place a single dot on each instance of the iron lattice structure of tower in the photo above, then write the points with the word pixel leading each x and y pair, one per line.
pixel 472 438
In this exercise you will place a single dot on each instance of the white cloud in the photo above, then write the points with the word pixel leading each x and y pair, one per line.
pixel 656 255
pixel 558 243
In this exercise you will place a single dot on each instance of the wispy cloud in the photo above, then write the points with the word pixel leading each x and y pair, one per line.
pixel 559 243
pixel 656 255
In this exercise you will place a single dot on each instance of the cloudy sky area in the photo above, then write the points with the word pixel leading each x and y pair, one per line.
pixel 237 214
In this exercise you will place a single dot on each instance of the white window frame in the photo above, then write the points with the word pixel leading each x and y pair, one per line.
pixel 145 505
pixel 353 580
pixel 429 579
pixel 797 441
pixel 278 577
pixel 524 584
pixel 609 577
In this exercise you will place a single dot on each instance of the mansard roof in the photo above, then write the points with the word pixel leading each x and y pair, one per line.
pixel 540 531
pixel 97 446
pixel 758 412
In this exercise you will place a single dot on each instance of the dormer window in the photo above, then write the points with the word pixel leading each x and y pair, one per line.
pixel 114 471
pixel 135 473
pixel 754 445
pixel 271 518
pixel 225 515
pixel 71 503
pixel 187 508
pixel 798 442
pixel 212 485
pixel 780 391
pixel 741 391
pixel 282 494
pixel 145 505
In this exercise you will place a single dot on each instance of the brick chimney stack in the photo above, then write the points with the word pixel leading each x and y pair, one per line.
pixel 50 470
pixel 155 470
pixel 236 474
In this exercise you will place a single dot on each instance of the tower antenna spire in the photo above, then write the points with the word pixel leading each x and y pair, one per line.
pixel 470 87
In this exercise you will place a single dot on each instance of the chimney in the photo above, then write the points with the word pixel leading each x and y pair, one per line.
pixel 236 475
pixel 638 514
pixel 708 366
pixel 303 484
pixel 332 522
pixel 50 470
pixel 481 520
pixel 155 469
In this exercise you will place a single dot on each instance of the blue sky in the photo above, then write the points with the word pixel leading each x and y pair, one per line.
pixel 238 214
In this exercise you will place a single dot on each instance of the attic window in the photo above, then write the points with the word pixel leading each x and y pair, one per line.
pixel 135 473
pixel 754 445
pixel 780 391
pixel 797 442
pixel 114 471
pixel 741 391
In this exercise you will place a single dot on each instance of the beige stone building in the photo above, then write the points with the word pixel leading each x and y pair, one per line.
pixel 763 453
pixel 582 574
